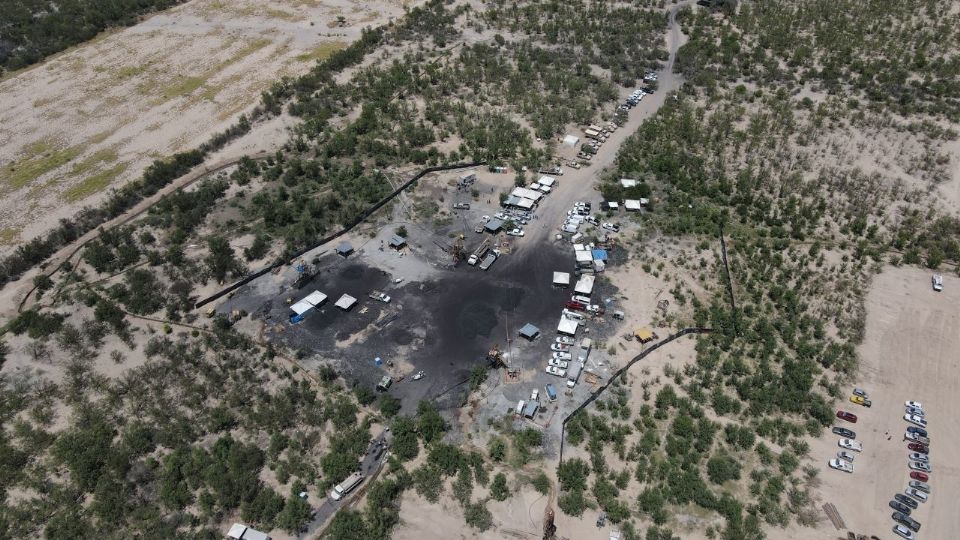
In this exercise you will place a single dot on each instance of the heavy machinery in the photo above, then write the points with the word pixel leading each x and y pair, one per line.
pixel 458 251
pixel 495 357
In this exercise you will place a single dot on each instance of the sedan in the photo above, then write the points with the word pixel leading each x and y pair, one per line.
pixel 906 500
pixel 919 431
pixel 916 437
pixel 921 486
pixel 919 476
pixel 917 456
pixel 563 340
pixel 841 465
pixel 915 412
pixel 844 432
pixel 611 227
pixel 919 466
pixel 850 445
pixel 516 232
pixel 860 400
pixel 562 355
pixel 900 507
pixel 913 524
pixel 900 530
pixel 846 456
pixel 916 420
pixel 558 363
pixel 913 404
pixel 553 370
pixel 849 417
pixel 916 494
pixel 922 448
pixel 559 347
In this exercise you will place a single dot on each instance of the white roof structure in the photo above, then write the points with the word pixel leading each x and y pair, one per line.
pixel 301 307
pixel 346 302
pixel 253 534
pixel 579 247
pixel 567 326
pixel 236 531
pixel 613 205
pixel 548 181
pixel 584 285
pixel 628 182
pixel 561 278
pixel 599 265
pixel 523 202
pixel 584 257
pixel 526 193
pixel 644 201
pixel 545 189
pixel 315 298
pixel 242 532
pixel 632 205
pixel 571 228
pixel 571 140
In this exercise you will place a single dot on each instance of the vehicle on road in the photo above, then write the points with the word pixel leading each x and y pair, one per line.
pixel 921 486
pixel 914 404
pixel 850 445
pixel 849 417
pixel 919 476
pixel 937 281
pixel 841 465
pixel 860 400
pixel 917 447
pixel 900 530
pixel 916 437
pixel 918 430
pixel 916 420
pixel 553 370
pixel 346 486
pixel 917 456
pixel 900 507
pixel 917 494
pixel 906 500
pixel 846 456
pixel 904 519
pixel 844 432
pixel 919 466
pixel 558 363
pixel 418 375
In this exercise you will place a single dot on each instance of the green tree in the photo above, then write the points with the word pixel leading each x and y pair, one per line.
pixel 721 468
pixel 221 260
pixel 498 489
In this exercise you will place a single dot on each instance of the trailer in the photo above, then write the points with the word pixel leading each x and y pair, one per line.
pixel 488 261
pixel 573 373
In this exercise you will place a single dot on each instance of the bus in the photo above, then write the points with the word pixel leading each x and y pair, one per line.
pixel 346 486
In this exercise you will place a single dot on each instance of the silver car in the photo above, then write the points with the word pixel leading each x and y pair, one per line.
pixel 918 485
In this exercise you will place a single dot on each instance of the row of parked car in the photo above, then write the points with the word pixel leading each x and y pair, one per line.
pixel 844 460
pixel 560 357
pixel 918 461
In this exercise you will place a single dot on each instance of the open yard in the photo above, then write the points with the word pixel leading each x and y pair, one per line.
pixel 162 86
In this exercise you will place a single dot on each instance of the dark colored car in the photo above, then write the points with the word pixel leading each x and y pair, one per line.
pixel 849 417
pixel 917 475
pixel 570 304
pixel 844 432
pixel 917 447
pixel 907 521
pixel 919 431
pixel 900 507
pixel 906 500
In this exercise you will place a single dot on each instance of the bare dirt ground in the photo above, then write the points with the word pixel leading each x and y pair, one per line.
pixel 162 86
pixel 910 353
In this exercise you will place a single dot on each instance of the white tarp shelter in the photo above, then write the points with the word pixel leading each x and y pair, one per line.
pixel 315 298
pixel 346 302
pixel 526 193
pixel 561 279
pixel 628 182
pixel 584 285
pixel 584 258
pixel 567 326
pixel 548 181
pixel 571 140
pixel 301 307
pixel 632 205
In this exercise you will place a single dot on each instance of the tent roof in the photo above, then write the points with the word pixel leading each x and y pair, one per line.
pixel 344 247
pixel 584 256
pixel 643 334
pixel 632 204
pixel 561 278
pixel 236 531
pixel 567 326
pixel 547 180
pixel 315 298
pixel 346 302
pixel 599 254
pixel 585 284
pixel 301 307
pixel 628 182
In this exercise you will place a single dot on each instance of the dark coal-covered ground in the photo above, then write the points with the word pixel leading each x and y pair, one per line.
pixel 444 325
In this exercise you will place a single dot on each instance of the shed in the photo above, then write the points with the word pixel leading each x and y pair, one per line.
pixel 584 285
pixel 599 254
pixel 493 226
pixel 643 334
pixel 632 205
pixel 561 279
pixel 567 326
pixel 315 299
pixel 548 181
pixel 613 205
pixel 628 182
pixel 529 331
pixel 344 249
pixel 571 140
pixel 346 302
pixel 530 409
pixel 398 242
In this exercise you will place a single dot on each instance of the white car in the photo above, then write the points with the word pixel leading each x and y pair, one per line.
pixel 563 340
pixel 535 394
pixel 611 227
pixel 846 456
pixel 916 420
pixel 515 232
pixel 564 355
pixel 919 466
pixel 841 465
pixel 903 531
pixel 553 370
pixel 922 486
pixel 913 405
pixel 937 282
pixel 558 363
pixel 850 445
pixel 558 347
pixel 915 412
pixel 917 456
pixel 917 494
pixel 916 437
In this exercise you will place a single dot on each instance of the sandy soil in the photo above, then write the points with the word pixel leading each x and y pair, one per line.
pixel 147 91
pixel 910 353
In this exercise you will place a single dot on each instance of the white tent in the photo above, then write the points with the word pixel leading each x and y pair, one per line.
pixel 584 258
pixel 571 140
pixel 548 181
pixel 315 298
pixel 561 279
pixel 526 193
pixel 567 326
pixel 301 307
pixel 584 285
pixel 632 205
pixel 628 182
pixel 346 302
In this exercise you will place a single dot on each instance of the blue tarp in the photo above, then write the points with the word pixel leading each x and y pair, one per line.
pixel 599 254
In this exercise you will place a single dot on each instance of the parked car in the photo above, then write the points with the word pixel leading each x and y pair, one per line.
pixel 558 347
pixel 922 486
pixel 558 363
pixel 914 419
pixel 916 412
pixel 516 232
pixel 461 206
pixel 914 404
pixel 917 494
pixel 611 227
pixel 844 432
pixel 841 465
pixel 849 417
pixel 918 430
pixel 900 507
pixel 860 400
pixel 850 445
pixel 916 475
pixel 861 392
pixel 846 456
pixel 535 394
pixel 901 530
pixel 906 500
pixel 904 519
pixel 564 340
pixel 917 447
pixel 937 281
pixel 919 466
pixel 916 437
pixel 917 456
pixel 562 355
pixel 553 370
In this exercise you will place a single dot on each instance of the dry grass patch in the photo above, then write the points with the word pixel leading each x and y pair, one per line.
pixel 94 184
pixel 38 158
pixel 321 52
pixel 100 157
